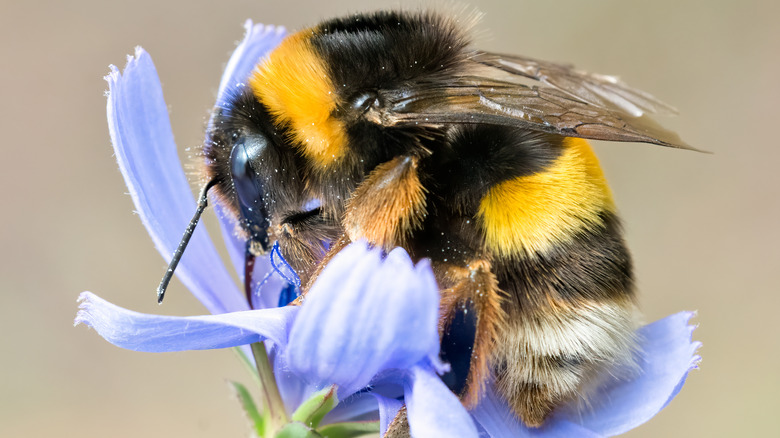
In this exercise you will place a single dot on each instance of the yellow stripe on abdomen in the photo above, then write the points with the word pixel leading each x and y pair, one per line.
pixel 533 213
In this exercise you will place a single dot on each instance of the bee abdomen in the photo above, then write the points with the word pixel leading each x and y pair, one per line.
pixel 571 318
pixel 549 356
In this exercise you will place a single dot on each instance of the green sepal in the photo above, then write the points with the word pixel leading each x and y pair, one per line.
pixel 297 429
pixel 313 410
pixel 250 408
pixel 349 429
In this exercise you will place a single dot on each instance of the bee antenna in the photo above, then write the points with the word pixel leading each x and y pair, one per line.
pixel 203 201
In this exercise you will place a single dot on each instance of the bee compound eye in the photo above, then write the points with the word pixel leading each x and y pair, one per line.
pixel 248 186
pixel 364 101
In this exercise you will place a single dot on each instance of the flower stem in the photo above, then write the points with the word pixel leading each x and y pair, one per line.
pixel 273 400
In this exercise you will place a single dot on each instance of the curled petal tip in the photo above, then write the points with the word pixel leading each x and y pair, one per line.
pixel 85 305
pixel 438 365
pixel 398 258
pixel 250 26
pixel 113 74
pixel 695 362
pixel 138 53
pixel 81 318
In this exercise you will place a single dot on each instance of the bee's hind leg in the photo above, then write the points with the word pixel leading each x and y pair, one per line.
pixel 472 315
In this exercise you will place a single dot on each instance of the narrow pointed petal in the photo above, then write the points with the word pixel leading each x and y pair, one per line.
pixel 433 410
pixel 143 142
pixel 259 39
pixel 156 333
pixel 668 354
pixel 388 409
pixel 365 315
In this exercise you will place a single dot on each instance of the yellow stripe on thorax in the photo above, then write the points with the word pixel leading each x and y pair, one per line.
pixel 294 85
pixel 533 213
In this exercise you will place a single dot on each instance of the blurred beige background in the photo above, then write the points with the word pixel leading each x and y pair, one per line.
pixel 703 228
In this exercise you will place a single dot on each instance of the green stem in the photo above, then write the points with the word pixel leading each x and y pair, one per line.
pixel 273 400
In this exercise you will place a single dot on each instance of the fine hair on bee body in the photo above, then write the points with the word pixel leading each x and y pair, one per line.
pixel 389 127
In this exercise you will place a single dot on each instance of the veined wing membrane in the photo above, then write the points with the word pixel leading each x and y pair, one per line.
pixel 486 100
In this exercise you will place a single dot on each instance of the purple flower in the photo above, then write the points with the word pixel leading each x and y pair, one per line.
pixel 369 324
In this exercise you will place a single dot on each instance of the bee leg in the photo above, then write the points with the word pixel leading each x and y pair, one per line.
pixel 399 427
pixel 302 237
pixel 474 287
pixel 474 294
pixel 388 206
pixel 384 209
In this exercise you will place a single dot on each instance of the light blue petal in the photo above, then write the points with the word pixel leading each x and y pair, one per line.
pixel 357 407
pixel 667 355
pixel 318 345
pixel 144 147
pixel 364 315
pixel 293 389
pixel 266 284
pixel 259 39
pixel 388 409
pixel 619 405
pixel 235 244
pixel 156 333
pixel 433 410
pixel 494 416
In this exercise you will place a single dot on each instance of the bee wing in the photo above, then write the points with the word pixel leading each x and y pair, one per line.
pixel 600 90
pixel 506 90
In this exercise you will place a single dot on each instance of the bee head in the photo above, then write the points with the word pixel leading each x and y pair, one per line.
pixel 245 156
pixel 307 124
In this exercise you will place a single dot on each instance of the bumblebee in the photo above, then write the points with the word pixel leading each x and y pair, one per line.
pixel 390 127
